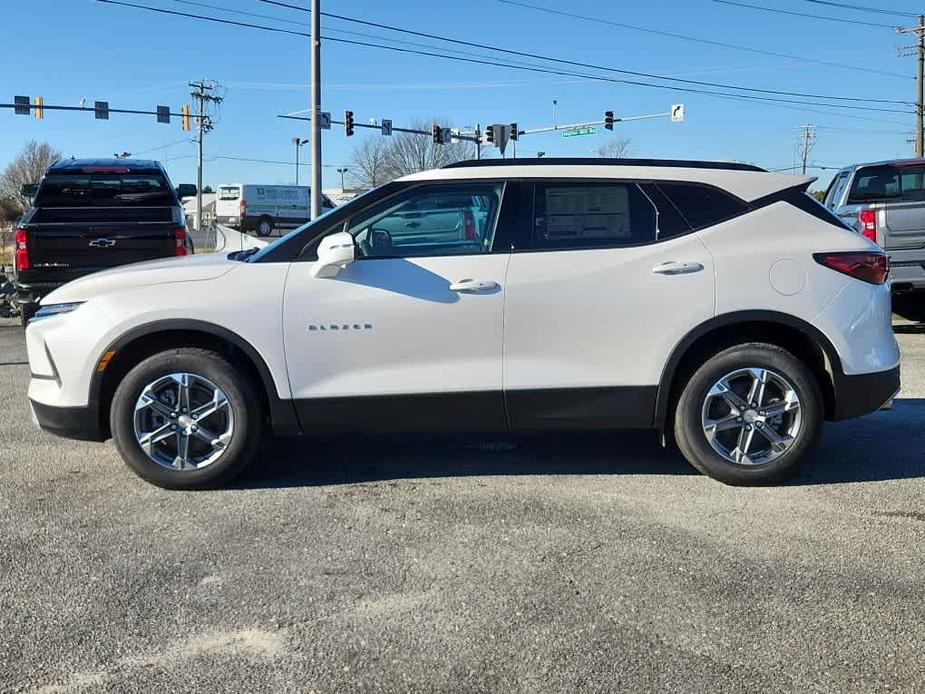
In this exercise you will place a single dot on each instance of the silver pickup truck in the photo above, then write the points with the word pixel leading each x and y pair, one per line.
pixel 885 202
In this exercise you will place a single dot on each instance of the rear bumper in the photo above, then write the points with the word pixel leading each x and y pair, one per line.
pixel 864 393
pixel 905 275
pixel 81 423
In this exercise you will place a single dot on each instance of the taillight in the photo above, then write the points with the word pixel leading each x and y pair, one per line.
pixel 180 247
pixel 868 224
pixel 242 208
pixel 21 250
pixel 469 221
pixel 868 266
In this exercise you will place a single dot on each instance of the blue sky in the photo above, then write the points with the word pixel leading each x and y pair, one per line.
pixel 75 49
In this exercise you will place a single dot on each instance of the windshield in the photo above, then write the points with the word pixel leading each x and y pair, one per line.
pixel 298 230
pixel 229 193
pixel 104 190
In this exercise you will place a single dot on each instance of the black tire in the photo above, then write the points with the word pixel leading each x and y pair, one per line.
pixel 264 226
pixel 26 312
pixel 243 403
pixel 910 305
pixel 689 412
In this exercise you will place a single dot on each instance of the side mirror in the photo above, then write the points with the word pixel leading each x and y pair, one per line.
pixel 28 190
pixel 186 190
pixel 334 252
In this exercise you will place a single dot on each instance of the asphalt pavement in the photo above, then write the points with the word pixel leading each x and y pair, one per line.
pixel 555 563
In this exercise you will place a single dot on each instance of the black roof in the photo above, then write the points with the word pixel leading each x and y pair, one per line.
pixel 592 161
pixel 139 165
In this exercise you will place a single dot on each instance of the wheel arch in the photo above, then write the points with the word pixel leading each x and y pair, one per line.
pixel 143 341
pixel 800 337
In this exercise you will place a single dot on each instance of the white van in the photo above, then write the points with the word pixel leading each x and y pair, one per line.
pixel 263 208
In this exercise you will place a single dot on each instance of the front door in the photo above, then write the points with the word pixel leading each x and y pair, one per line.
pixel 408 336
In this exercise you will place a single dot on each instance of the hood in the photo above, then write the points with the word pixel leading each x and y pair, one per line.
pixel 194 268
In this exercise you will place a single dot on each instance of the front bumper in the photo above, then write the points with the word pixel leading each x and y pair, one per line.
pixel 864 393
pixel 81 423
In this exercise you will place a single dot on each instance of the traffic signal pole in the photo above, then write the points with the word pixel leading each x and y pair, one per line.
pixel 315 176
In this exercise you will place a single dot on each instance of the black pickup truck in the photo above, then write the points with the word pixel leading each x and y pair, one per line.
pixel 92 214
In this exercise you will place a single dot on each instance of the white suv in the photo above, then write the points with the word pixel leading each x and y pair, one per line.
pixel 716 303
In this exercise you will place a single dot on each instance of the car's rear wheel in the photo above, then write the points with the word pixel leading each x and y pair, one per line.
pixel 264 226
pixel 184 419
pixel 749 414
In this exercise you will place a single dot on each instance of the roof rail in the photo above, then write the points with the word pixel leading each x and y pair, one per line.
pixel 592 161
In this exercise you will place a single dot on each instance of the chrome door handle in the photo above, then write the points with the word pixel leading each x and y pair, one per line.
pixel 474 286
pixel 674 267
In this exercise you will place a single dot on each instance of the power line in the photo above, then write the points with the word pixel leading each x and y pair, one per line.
pixel 862 8
pixel 695 39
pixel 543 70
pixel 574 63
pixel 801 14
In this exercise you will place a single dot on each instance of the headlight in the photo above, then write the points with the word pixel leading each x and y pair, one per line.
pixel 54 310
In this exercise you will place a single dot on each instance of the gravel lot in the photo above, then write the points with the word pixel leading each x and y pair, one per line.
pixel 553 563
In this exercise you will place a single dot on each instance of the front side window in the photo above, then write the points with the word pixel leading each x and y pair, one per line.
pixel 450 219
pixel 592 215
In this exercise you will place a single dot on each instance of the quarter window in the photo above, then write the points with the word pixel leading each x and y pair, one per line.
pixel 430 220
pixel 703 206
pixel 592 215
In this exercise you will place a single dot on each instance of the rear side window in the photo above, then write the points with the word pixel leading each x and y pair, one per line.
pixel 702 206
pixel 669 222
pixel 592 215
pixel 888 182
pixel 104 190
pixel 836 189
pixel 810 205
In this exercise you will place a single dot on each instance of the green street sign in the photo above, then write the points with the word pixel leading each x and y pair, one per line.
pixel 575 132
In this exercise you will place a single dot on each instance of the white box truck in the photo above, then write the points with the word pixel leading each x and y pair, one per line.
pixel 260 208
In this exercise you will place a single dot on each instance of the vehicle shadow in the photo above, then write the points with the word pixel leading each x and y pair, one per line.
pixel 883 446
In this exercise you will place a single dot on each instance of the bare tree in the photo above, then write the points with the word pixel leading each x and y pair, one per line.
pixel 615 149
pixel 10 210
pixel 27 167
pixel 380 160
pixel 368 162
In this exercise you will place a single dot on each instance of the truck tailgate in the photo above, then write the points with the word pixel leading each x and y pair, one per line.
pixel 903 225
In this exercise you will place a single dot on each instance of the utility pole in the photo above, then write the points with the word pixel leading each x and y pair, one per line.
pixel 919 31
pixel 316 107
pixel 809 139
pixel 204 124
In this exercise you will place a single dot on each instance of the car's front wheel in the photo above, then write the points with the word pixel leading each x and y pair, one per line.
pixel 184 419
pixel 749 414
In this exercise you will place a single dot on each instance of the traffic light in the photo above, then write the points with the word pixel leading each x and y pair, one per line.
pixel 348 123
pixel 437 133
pixel 39 111
pixel 514 131
pixel 608 120
pixel 185 119
pixel 490 134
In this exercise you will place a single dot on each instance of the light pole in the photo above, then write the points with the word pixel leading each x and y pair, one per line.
pixel 342 170
pixel 315 68
pixel 298 142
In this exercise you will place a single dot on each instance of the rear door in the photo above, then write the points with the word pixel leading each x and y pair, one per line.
pixel 88 221
pixel 897 191
pixel 613 281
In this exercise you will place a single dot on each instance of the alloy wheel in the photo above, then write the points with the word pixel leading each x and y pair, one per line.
pixel 183 421
pixel 752 416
